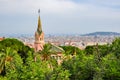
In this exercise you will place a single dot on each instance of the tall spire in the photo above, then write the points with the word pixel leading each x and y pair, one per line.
pixel 39 29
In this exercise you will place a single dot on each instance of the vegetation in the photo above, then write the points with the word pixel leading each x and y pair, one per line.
pixel 98 62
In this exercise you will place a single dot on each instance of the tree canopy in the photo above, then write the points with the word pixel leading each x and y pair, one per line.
pixel 98 62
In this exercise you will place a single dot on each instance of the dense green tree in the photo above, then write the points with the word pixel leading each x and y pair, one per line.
pixel 16 45
pixel 35 70
pixel 59 73
pixel 80 67
pixel 102 49
pixel 115 47
pixel 11 62
pixel 14 68
pixel 111 67
pixel 71 50
pixel 89 49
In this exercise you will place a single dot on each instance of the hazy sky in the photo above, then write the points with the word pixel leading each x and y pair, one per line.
pixel 59 16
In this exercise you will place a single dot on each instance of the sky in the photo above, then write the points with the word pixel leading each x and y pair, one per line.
pixel 59 16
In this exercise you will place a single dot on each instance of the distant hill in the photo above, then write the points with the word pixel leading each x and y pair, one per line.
pixel 102 34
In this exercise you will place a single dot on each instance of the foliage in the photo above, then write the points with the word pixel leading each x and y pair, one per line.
pixel 89 49
pixel 59 73
pixel 71 50
pixel 103 49
pixel 98 62
pixel 46 52
pixel 111 67
pixel 16 45
pixel 115 47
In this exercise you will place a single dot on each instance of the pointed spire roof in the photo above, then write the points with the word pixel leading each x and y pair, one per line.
pixel 39 29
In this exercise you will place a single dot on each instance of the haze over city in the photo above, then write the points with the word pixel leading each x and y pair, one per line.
pixel 59 16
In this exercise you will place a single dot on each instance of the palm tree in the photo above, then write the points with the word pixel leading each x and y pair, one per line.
pixel 46 52
pixel 2 62
pixel 5 57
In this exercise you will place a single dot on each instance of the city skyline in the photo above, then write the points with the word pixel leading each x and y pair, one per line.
pixel 59 16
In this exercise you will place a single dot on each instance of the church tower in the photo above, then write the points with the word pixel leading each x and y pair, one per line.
pixel 39 36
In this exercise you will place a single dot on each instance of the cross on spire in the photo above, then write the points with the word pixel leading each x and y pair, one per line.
pixel 39 11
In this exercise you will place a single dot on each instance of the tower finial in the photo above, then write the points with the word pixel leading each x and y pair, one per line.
pixel 39 29
pixel 39 11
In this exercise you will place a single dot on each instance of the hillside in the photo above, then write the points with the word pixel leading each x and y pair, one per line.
pixel 102 34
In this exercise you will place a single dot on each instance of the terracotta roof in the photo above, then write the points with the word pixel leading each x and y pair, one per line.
pixel 1 39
